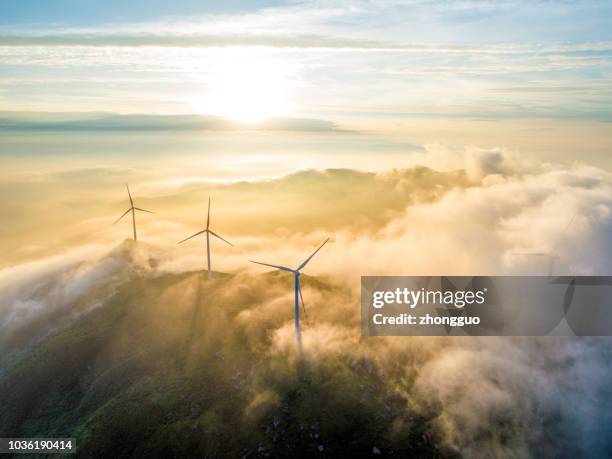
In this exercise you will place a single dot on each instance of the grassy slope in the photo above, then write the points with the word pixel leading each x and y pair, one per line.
pixel 160 369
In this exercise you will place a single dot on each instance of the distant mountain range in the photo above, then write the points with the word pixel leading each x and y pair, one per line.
pixel 100 121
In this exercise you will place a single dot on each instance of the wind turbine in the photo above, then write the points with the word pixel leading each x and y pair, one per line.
pixel 550 254
pixel 208 232
pixel 132 209
pixel 298 291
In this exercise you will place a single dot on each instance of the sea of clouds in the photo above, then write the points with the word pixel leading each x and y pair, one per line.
pixel 502 397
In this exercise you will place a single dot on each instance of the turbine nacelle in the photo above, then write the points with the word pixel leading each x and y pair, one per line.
pixel 298 290
pixel 552 253
pixel 296 270
pixel 207 231
pixel 132 209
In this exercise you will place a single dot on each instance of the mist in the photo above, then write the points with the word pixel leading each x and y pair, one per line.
pixel 145 311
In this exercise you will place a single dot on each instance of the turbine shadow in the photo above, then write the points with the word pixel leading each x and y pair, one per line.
pixel 195 319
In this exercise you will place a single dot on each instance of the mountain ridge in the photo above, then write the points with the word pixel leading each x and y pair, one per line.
pixel 178 364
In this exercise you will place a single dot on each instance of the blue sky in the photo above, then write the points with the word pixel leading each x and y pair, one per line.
pixel 80 13
pixel 467 21
pixel 398 68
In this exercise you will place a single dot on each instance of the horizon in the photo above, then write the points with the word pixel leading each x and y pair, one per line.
pixel 435 146
pixel 530 77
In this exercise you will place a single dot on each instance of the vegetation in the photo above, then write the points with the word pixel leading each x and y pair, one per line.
pixel 169 366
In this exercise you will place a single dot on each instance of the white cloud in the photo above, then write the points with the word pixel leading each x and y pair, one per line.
pixel 471 389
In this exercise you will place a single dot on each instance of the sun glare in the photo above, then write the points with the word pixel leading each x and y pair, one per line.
pixel 245 89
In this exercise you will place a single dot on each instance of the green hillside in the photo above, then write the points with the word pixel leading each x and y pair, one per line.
pixel 175 365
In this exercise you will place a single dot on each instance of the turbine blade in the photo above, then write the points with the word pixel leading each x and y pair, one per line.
pixel 302 300
pixel 144 210
pixel 560 238
pixel 196 234
pixel 216 235
pixel 208 215
pixel 124 214
pixel 310 257
pixel 129 194
pixel 284 268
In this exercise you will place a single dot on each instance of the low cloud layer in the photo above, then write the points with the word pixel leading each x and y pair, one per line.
pixel 479 397
pixel 88 122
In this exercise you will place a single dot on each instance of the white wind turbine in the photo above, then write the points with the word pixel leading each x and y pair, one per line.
pixel 547 255
pixel 132 209
pixel 551 254
pixel 208 231
pixel 298 291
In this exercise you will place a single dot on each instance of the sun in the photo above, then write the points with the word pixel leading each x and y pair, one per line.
pixel 245 88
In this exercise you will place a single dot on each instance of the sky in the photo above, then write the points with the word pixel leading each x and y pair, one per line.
pixel 381 66
pixel 455 137
pixel 165 96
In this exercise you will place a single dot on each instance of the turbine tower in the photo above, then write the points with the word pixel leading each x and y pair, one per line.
pixel 132 209
pixel 208 232
pixel 298 291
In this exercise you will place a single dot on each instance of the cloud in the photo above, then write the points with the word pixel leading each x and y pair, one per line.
pixel 340 24
pixel 488 206
pixel 552 89
pixel 480 217
pixel 479 397
pixel 45 295
pixel 35 290
pixel 501 388
pixel 137 122
pixel 180 39
pixel 482 228
pixel 195 41
pixel 481 163
pixel 427 53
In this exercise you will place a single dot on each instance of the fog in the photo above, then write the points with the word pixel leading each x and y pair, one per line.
pixel 477 397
